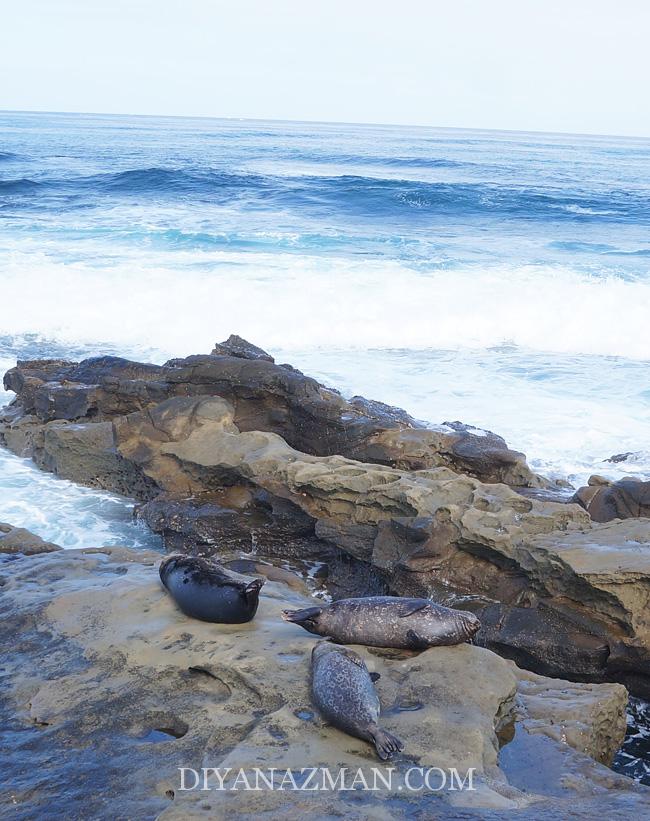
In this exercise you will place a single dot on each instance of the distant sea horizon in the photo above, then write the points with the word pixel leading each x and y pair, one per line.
pixel 360 124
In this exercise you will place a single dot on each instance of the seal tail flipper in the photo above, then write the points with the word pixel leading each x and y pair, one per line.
pixel 386 743
pixel 252 590
pixel 298 616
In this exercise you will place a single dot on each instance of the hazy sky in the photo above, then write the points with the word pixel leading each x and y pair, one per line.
pixel 548 65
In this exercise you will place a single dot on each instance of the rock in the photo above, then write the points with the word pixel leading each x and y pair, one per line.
pixel 267 397
pixel 543 598
pixel 589 717
pixel 524 565
pixel 87 454
pixel 203 447
pixel 236 346
pixel 18 540
pixel 109 690
pixel 620 457
pixel 605 500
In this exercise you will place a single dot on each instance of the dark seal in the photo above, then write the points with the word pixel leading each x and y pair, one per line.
pixel 344 692
pixel 387 621
pixel 204 590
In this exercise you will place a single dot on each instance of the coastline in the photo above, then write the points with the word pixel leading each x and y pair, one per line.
pixel 205 444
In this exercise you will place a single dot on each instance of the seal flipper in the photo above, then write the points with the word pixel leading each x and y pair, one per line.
pixel 417 642
pixel 385 743
pixel 254 587
pixel 411 606
pixel 298 616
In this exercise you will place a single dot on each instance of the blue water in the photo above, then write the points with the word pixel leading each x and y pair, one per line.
pixel 498 278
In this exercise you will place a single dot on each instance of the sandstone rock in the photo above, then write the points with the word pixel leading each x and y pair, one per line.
pixel 267 397
pixel 108 689
pixel 588 717
pixel 205 431
pixel 605 500
pixel 18 540
pixel 543 597
pixel 524 566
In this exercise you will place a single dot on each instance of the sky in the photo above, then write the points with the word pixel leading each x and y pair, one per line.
pixel 579 66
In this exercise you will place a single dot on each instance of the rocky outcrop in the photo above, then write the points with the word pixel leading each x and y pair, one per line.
pixel 108 690
pixel 588 717
pixel 266 397
pixel 605 500
pixel 18 540
pixel 555 592
pixel 527 568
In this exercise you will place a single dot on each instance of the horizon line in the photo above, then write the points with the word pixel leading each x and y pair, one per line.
pixel 235 118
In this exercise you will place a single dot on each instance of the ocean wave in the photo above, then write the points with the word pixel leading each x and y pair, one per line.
pixel 19 186
pixel 601 248
pixel 394 200
pixel 348 159
pixel 167 180
pixel 160 300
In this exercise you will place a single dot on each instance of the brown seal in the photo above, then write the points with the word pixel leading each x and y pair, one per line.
pixel 387 621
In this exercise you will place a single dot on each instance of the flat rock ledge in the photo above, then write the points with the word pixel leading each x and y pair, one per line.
pixel 108 689
pixel 232 451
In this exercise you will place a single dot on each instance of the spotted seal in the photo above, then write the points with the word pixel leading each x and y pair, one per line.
pixel 387 621
pixel 343 691
pixel 204 590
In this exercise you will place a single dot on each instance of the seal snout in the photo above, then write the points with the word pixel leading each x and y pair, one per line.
pixel 472 624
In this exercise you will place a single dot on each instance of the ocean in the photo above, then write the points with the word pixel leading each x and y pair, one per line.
pixel 498 278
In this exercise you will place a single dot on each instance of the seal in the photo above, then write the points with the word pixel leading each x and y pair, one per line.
pixel 343 691
pixel 204 590
pixel 387 621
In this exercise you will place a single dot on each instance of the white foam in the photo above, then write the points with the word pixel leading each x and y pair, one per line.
pixel 568 414
pixel 60 511
pixel 180 303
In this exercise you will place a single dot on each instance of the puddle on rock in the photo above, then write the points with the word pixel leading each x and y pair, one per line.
pixel 160 735
pixel 290 657
pixel 533 763
pixel 406 707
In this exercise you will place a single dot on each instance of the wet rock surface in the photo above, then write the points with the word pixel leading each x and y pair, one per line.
pixel 108 689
